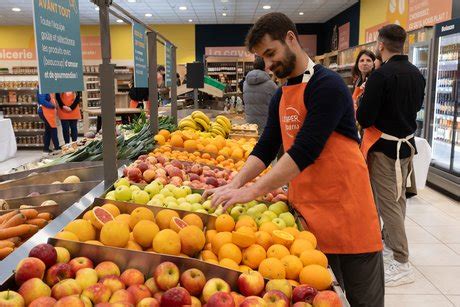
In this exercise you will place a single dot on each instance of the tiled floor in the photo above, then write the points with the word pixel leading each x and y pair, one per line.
pixel 433 230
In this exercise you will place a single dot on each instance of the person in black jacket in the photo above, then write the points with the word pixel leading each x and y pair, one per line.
pixel 393 95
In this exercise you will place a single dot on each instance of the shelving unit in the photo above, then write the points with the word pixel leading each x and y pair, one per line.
pixel 231 67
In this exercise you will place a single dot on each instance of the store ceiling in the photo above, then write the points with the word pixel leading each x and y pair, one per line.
pixel 198 11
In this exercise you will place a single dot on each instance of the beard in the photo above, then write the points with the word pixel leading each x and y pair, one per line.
pixel 378 54
pixel 284 68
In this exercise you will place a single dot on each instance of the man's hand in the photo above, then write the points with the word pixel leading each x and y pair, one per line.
pixel 228 196
pixel 68 109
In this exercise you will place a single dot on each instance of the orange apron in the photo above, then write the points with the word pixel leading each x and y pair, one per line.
pixel 133 104
pixel 67 99
pixel 50 114
pixel 333 194
pixel 356 93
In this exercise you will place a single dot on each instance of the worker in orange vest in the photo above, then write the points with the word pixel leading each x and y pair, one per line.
pixel 69 114
pixel 47 113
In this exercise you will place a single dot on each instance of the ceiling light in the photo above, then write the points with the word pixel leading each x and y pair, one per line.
pixel 300 13
pixel 182 8
pixel 119 20
pixel 266 7
pixel 190 20
pixel 96 8
pixel 224 14
pixel 148 15
pixel 16 9
pixel 131 1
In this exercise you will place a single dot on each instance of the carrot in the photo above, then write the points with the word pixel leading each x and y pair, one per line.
pixel 5 243
pixel 29 213
pixel 39 222
pixel 16 231
pixel 5 217
pixel 5 252
pixel 45 215
pixel 14 240
pixel 33 230
pixel 16 220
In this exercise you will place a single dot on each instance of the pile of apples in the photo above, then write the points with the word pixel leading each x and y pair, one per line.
pixel 48 277
pixel 277 213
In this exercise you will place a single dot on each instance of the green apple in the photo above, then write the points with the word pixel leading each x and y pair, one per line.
pixel 134 188
pixel 272 215
pixel 194 198
pixel 179 192
pixel 201 211
pixel 153 188
pixel 170 187
pixel 123 193
pixel 166 192
pixel 288 218
pixel 141 197
pixel 262 219
pixel 257 210
pixel 171 205
pixel 236 212
pixel 242 215
pixel 185 206
pixel 196 207
pixel 121 181
pixel 181 200
pixel 187 188
pixel 155 202
pixel 219 210
pixel 159 196
pixel 279 207
pixel 281 224
pixel 110 195
pixel 250 204
pixel 169 199
pixel 159 183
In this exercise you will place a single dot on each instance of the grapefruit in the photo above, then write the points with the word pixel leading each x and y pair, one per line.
pixel 99 217
pixel 177 224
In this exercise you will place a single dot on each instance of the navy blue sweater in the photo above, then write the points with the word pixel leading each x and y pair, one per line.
pixel 329 108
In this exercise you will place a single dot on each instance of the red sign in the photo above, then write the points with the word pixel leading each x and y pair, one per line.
pixel 428 12
pixel 308 43
pixel 344 36
pixel 234 51
pixel 17 54
pixel 91 47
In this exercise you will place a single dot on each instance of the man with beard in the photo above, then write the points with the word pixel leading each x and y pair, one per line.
pixel 312 116
pixel 394 94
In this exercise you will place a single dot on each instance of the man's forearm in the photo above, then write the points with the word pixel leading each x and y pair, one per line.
pixel 251 169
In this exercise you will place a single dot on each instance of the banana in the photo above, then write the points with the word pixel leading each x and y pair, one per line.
pixel 202 123
pixel 187 123
pixel 219 128
pixel 217 132
pixel 224 126
pixel 226 120
pixel 201 115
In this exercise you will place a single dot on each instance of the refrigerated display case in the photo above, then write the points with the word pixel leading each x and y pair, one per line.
pixel 444 133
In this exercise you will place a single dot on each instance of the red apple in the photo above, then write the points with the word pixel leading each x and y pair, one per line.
pixel 29 268
pixel 302 304
pixel 304 293
pixel 253 301
pixel 58 272
pixel 327 298
pixel 98 293
pixel 195 302
pixel 33 289
pixel 143 166
pixel 149 175
pixel 148 302
pixel 72 300
pixel 122 295
pixel 80 263
pixel 152 285
pixel 113 282
pixel 106 268
pixel 214 285
pixel 45 252
pixel 139 292
pixel 166 275
pixel 251 283
pixel 119 304
pixel 44 301
pixel 134 174
pixel 174 297
pixel 10 298
pixel 221 299
pixel 158 295
pixel 132 277
pixel 237 298
pixel 276 298
pixel 193 280
pixel 64 288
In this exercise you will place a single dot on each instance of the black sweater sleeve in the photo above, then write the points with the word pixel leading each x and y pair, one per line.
pixel 371 101
pixel 76 101
pixel 59 100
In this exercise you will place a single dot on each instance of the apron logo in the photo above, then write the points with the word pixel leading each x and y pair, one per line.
pixel 291 121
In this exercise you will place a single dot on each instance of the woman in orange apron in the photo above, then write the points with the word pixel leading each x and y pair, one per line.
pixel 364 65
pixel 69 114
pixel 47 113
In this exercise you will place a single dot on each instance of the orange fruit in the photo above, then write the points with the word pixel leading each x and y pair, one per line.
pixel 264 239
pixel 211 148
pixel 124 218
pixel 193 219
pixel 213 261
pixel 177 224
pixel 87 216
pixel 188 135
pixel 308 236
pixel 205 255
pixel 208 247
pixel 220 239
pixel 229 263
pixel 133 245
pixel 210 234
pixel 165 133
pixel 282 237
pixel 277 251
pixel 316 276
pixel 237 154
pixel 139 214
pixel 177 141
pixel 292 266
pixel 224 152
pixel 200 147
pixel 253 256
pixel 313 256
pixel 268 227
pixel 131 236
pixel 293 283
pixel 67 235
pixel 94 242
pixel 299 246
pixel 190 145
pixel 231 251
pixel 246 220
pixel 144 232
pixel 83 229
pixel 292 230
pixel 224 222
pixel 164 217
pixel 112 209
pixel 114 234
pixel 99 216
pixel 167 241
pixel 244 237
pixel 272 268
pixel 244 268
pixel 220 158
pixel 192 240
pixel 206 155
pixel 160 139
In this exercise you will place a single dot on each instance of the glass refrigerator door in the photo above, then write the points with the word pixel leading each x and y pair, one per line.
pixel 419 57
pixel 445 139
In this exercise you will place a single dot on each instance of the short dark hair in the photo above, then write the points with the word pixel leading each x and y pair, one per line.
pixel 259 63
pixel 393 36
pixel 277 25
pixel 355 71
pixel 160 68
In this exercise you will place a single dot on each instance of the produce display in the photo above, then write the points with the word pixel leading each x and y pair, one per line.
pixel 17 226
pixel 49 277
pixel 198 121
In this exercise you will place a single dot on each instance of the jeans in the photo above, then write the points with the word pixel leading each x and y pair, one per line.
pixel 72 123
pixel 50 133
